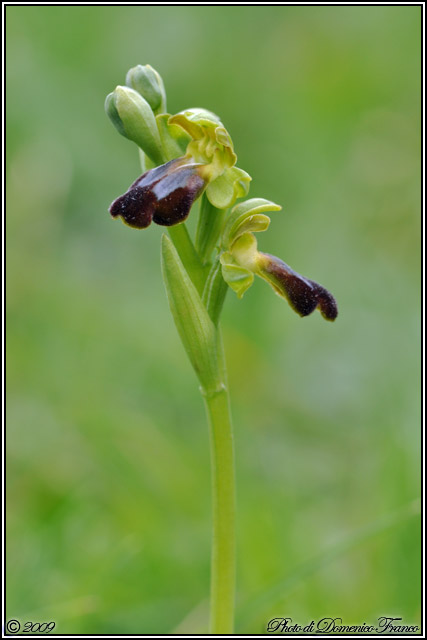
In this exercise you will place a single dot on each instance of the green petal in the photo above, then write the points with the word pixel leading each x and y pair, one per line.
pixel 194 120
pixel 245 252
pixel 211 143
pixel 236 223
pixel 223 137
pixel 224 190
pixel 238 278
pixel 252 224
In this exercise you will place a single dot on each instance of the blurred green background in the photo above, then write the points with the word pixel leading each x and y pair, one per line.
pixel 108 451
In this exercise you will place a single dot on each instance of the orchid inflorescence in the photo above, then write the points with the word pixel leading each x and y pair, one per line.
pixel 188 155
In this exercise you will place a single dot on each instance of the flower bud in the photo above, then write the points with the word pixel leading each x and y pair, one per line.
pixel 164 195
pixel 133 118
pixel 149 84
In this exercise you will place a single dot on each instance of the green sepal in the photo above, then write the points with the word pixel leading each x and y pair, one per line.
pixel 133 118
pixel 196 329
pixel 237 277
pixel 195 120
pixel 173 139
pixel 244 215
pixel 252 224
pixel 244 252
pixel 224 190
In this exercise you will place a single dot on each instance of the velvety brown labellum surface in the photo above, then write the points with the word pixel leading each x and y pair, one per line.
pixel 303 295
pixel 164 195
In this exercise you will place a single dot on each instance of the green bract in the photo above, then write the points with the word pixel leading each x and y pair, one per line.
pixel 194 325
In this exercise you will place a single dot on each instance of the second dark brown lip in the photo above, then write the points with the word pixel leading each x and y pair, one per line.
pixel 303 295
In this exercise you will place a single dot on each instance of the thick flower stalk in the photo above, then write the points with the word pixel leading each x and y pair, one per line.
pixel 186 157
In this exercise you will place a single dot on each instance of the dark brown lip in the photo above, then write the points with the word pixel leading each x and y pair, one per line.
pixel 164 195
pixel 303 295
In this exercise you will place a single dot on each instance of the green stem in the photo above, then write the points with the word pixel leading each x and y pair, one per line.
pixel 209 228
pixel 223 569
pixel 181 238
pixel 212 288
pixel 223 499
pixel 189 256
pixel 214 292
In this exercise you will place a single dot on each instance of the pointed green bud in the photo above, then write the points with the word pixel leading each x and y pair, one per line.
pixel 246 217
pixel 133 118
pixel 196 329
pixel 149 84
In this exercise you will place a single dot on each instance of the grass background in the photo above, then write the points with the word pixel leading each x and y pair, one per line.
pixel 108 492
